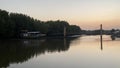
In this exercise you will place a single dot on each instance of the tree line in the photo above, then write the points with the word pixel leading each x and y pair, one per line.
pixel 12 24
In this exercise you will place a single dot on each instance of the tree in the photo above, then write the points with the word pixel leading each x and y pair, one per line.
pixel 12 24
pixel 56 27
pixel 73 29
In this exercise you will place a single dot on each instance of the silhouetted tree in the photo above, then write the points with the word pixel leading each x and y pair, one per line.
pixel 12 24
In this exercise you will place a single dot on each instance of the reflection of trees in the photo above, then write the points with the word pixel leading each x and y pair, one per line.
pixel 18 51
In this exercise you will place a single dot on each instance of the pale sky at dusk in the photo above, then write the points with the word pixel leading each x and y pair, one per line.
pixel 88 14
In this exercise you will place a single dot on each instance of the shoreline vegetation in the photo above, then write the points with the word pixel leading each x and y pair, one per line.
pixel 16 25
pixel 12 25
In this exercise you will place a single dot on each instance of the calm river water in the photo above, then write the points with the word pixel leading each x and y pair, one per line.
pixel 82 52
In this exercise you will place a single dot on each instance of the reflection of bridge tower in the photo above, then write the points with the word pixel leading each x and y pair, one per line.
pixel 64 31
pixel 101 37
pixel 65 43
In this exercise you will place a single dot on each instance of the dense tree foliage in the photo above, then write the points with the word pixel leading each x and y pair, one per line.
pixel 73 29
pixel 6 25
pixel 56 27
pixel 12 24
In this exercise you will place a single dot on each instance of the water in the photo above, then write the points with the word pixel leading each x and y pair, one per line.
pixel 82 52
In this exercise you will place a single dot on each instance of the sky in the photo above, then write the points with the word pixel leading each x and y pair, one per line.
pixel 88 14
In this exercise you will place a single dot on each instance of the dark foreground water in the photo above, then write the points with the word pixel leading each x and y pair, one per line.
pixel 82 52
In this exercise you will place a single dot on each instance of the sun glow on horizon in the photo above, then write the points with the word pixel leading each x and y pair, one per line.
pixel 88 14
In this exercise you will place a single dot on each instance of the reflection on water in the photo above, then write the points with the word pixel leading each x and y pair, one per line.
pixel 101 41
pixel 82 52
pixel 18 51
